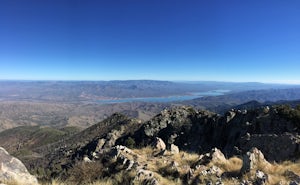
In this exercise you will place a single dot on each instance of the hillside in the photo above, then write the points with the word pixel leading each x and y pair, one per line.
pixel 58 115
pixel 177 146
pixel 21 141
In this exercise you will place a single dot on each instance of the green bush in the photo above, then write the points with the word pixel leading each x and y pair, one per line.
pixel 129 142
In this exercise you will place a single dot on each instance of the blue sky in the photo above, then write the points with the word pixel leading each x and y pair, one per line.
pixel 249 40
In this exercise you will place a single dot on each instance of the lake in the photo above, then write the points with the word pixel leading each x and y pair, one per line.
pixel 166 99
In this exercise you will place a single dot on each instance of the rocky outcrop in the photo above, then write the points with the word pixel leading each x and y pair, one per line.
pixel 109 140
pixel 275 146
pixel 183 126
pixel 12 170
pixel 214 156
pixel 235 133
pixel 175 118
pixel 122 158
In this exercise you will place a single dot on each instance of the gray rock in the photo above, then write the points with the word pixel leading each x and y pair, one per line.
pixel 146 177
pixel 214 156
pixel 230 115
pixel 159 144
pixel 87 159
pixel 217 155
pixel 13 170
pixel 261 178
pixel 174 149
pixel 100 144
pixel 292 175
pixel 276 147
pixel 293 183
pixel 214 170
pixel 246 182
pixel 174 164
pixel 253 159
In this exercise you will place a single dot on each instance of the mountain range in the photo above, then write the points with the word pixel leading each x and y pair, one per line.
pixel 247 135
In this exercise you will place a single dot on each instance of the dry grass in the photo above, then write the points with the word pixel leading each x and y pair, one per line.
pixel 166 181
pixel 278 173
pixel 11 182
pixel 155 162
pixel 146 151
pixel 232 165
pixel 99 182
pixel 173 168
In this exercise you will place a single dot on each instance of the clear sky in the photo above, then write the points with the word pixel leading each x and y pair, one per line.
pixel 241 40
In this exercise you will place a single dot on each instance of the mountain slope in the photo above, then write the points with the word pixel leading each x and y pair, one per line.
pixel 274 130
pixel 22 141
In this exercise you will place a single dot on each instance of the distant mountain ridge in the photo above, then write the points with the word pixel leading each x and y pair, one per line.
pixel 222 103
pixel 60 105
pixel 77 91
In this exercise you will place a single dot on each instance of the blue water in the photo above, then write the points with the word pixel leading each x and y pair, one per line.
pixel 166 99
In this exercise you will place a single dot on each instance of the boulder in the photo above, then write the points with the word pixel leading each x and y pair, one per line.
pixel 146 177
pixel 230 115
pixel 174 149
pixel 214 156
pixel 159 144
pixel 293 183
pixel 253 160
pixel 13 170
pixel 217 155
pixel 292 175
pixel 261 178
pixel 87 159
pixel 100 144
pixel 115 151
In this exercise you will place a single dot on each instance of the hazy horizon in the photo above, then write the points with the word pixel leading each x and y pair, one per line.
pixel 232 41
pixel 176 81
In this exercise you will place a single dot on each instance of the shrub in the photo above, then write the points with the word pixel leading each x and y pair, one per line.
pixel 85 172
pixel 129 142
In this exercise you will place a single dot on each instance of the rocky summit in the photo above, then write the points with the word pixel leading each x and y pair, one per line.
pixel 235 133
pixel 180 145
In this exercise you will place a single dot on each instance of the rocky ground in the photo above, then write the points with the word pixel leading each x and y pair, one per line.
pixel 178 146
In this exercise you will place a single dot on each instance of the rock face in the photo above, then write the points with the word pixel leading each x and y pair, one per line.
pixel 234 133
pixel 183 126
pixel 13 170
pixel 125 159
pixel 275 146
